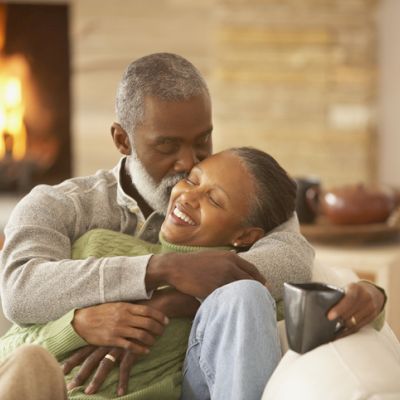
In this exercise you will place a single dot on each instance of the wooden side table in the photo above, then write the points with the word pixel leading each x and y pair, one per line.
pixel 379 263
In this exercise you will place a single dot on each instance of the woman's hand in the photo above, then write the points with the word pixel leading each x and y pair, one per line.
pixel 93 359
pixel 361 304
pixel 128 326
pixel 168 301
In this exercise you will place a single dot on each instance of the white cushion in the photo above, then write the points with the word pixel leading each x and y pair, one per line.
pixel 338 276
pixel 362 366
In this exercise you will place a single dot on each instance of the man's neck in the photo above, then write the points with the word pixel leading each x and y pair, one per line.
pixel 131 190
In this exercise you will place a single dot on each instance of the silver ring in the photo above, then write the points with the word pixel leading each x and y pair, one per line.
pixel 339 325
pixel 353 320
pixel 110 357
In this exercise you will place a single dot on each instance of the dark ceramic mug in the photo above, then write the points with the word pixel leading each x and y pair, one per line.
pixel 307 199
pixel 306 306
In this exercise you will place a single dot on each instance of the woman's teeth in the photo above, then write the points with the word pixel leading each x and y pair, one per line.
pixel 178 213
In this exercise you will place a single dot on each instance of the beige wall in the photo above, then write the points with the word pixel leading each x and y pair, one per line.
pixel 389 85
pixel 107 35
pixel 295 78
pixel 298 78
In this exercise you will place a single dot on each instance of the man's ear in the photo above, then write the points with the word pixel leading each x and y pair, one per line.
pixel 121 139
pixel 247 237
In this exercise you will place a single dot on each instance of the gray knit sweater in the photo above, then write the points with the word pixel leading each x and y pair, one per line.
pixel 41 283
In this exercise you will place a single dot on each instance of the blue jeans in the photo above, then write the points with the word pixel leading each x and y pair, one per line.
pixel 233 345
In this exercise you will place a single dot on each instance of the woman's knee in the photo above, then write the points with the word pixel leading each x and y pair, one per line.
pixel 249 292
pixel 37 357
pixel 35 370
pixel 32 352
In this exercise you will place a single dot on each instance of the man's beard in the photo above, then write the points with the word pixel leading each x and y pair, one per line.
pixel 155 194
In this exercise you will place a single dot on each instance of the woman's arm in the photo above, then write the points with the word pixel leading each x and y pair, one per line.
pixel 104 325
pixel 57 336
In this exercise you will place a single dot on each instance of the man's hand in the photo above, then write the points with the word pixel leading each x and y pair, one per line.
pixel 172 303
pixel 128 326
pixel 199 274
pixel 361 304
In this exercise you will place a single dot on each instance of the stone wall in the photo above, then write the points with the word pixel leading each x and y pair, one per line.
pixel 296 78
pixel 106 36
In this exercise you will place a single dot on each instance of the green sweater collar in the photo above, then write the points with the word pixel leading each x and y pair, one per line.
pixel 167 247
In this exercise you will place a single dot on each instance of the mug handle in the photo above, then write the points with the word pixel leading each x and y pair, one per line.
pixel 312 198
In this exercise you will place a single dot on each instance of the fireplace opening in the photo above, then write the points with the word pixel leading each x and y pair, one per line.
pixel 35 140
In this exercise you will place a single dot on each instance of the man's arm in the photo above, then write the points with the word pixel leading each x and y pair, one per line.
pixel 283 255
pixel 40 282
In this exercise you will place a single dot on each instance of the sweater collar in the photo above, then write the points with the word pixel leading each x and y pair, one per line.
pixel 123 199
pixel 167 247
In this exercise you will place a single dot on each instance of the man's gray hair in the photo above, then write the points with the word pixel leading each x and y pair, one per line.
pixel 165 76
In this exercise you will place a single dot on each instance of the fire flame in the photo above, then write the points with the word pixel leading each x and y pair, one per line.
pixel 12 128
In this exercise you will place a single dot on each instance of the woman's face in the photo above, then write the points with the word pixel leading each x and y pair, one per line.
pixel 209 207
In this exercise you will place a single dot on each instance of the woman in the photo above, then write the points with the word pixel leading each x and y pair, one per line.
pixel 228 201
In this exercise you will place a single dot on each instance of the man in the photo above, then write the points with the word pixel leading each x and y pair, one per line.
pixel 164 128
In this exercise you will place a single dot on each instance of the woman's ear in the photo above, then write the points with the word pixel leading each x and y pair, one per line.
pixel 121 139
pixel 247 237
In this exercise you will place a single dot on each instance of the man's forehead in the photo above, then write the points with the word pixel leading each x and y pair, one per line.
pixel 160 136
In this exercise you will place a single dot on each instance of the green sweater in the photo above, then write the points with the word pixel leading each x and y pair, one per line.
pixel 158 374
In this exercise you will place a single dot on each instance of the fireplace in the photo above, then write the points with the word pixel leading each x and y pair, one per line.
pixel 35 140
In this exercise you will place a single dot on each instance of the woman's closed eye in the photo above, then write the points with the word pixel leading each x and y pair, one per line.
pixel 191 181
pixel 213 201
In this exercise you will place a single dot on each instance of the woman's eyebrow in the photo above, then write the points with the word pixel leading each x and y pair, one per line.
pixel 197 168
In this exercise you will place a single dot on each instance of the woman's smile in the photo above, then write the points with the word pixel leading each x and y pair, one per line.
pixel 181 217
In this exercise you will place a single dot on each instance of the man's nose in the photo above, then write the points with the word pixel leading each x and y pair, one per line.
pixel 187 159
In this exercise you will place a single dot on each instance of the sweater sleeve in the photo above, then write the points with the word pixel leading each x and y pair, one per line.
pixel 283 255
pixel 40 282
pixel 58 337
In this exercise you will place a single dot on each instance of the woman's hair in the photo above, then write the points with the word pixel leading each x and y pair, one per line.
pixel 274 202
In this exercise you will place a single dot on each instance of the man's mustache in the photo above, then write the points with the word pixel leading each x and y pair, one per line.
pixel 174 179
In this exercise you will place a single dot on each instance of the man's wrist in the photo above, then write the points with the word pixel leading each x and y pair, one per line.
pixel 158 271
